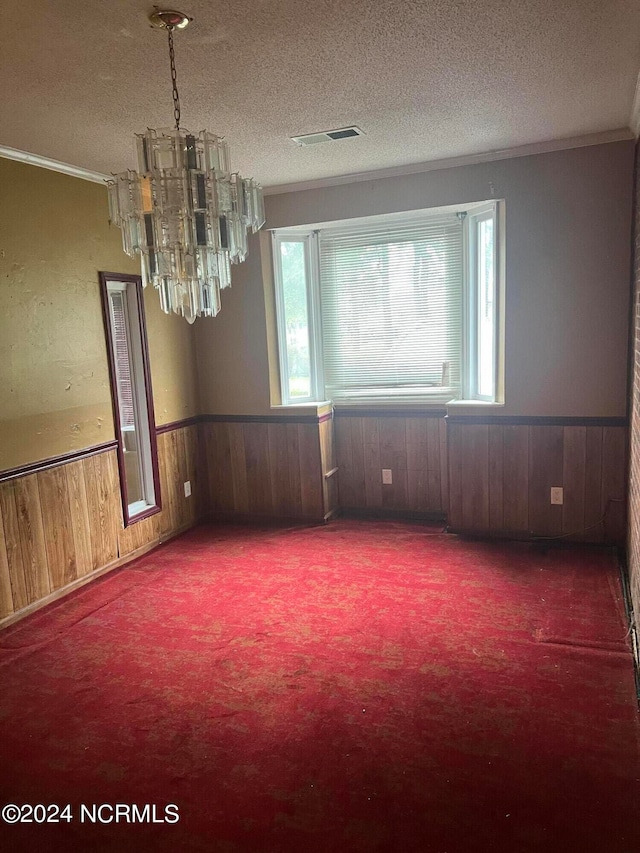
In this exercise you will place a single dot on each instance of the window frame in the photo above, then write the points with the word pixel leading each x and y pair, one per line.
pixel 473 213
pixel 471 381
pixel 131 286
pixel 309 239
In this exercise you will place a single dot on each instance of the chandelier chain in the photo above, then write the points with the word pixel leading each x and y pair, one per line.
pixel 174 84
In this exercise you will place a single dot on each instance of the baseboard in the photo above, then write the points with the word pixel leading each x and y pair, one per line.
pixel 166 537
pixel 527 536
pixel 631 619
pixel 92 576
pixel 265 520
pixel 386 514
pixel 518 535
pixel 635 647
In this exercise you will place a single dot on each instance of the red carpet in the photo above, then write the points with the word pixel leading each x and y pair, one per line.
pixel 354 687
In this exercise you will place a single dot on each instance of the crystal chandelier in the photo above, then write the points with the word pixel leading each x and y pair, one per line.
pixel 184 211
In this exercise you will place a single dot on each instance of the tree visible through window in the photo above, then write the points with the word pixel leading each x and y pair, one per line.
pixel 392 309
pixel 296 318
pixel 389 307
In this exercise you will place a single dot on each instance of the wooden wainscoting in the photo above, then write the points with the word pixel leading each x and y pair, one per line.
pixel 58 526
pixel 62 525
pixel 180 461
pixel 413 447
pixel 501 474
pixel 330 470
pixel 264 467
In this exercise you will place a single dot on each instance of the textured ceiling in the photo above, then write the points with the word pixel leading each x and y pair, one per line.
pixel 424 79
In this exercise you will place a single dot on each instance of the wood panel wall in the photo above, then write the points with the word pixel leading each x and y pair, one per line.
pixel 264 469
pixel 330 470
pixel 501 477
pixel 633 532
pixel 60 526
pixel 414 448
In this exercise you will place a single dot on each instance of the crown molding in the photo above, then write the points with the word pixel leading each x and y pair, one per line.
pixel 618 135
pixel 53 165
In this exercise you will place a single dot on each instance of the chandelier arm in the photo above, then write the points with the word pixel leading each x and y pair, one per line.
pixel 174 84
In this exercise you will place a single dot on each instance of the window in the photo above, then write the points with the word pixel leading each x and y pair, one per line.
pixel 481 372
pixel 298 317
pixel 401 307
pixel 131 394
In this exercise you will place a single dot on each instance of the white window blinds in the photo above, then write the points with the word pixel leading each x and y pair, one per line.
pixel 122 358
pixel 392 308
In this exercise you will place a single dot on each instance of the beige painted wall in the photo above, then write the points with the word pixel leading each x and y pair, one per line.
pixel 172 354
pixel 54 383
pixel 568 216
pixel 232 347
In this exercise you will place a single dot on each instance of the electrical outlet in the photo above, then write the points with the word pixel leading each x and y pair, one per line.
pixel 557 495
pixel 187 489
pixel 387 477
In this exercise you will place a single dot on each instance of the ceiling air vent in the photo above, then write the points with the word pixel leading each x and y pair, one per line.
pixel 327 136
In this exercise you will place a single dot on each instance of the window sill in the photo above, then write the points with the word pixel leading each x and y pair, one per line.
pixel 470 404
pixel 377 403
pixel 300 408
pixel 145 511
pixel 412 405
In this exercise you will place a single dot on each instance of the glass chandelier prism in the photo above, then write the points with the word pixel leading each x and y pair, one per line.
pixel 184 211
